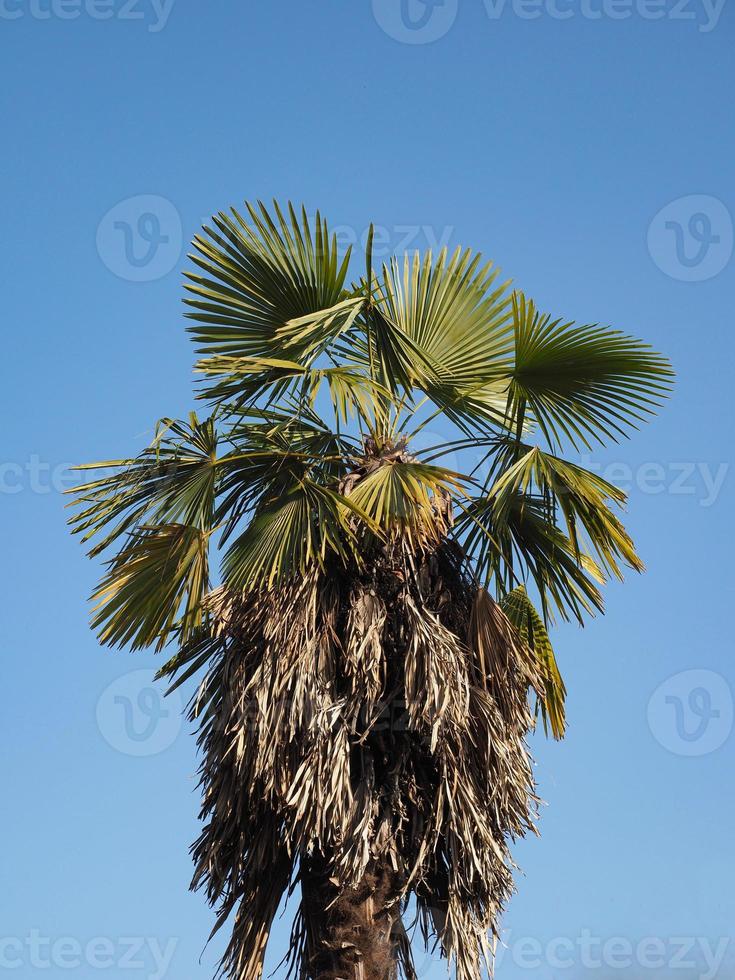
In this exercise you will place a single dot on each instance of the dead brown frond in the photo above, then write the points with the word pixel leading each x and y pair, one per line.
pixel 363 735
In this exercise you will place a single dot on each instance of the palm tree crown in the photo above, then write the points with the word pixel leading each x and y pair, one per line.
pixel 366 656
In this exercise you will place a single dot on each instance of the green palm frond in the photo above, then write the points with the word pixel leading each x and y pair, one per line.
pixel 454 311
pixel 311 334
pixel 154 587
pixel 521 540
pixel 353 395
pixel 581 382
pixel 272 450
pixel 395 360
pixel 444 327
pixel 260 278
pixel 580 495
pixel 520 611
pixel 171 481
pixel 196 651
pixel 236 379
pixel 300 528
pixel 407 496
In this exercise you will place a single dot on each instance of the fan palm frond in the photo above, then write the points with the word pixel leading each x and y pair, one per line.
pixel 300 528
pixel 582 498
pixel 153 587
pixel 405 496
pixel 171 481
pixel 530 627
pixel 523 542
pixel 581 382
pixel 454 310
pixel 259 279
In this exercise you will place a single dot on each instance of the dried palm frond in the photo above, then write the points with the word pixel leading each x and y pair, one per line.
pixel 362 733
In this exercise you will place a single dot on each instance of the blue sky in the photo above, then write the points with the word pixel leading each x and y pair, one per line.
pixel 587 148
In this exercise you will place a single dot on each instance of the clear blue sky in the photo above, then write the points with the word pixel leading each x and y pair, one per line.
pixel 551 144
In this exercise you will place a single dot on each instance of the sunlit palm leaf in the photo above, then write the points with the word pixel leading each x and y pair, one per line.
pixel 457 321
pixel 520 611
pixel 153 587
pixel 407 496
pixel 241 379
pixel 453 311
pixel 353 395
pixel 582 498
pixel 259 276
pixel 520 541
pixel 284 538
pixel 581 382
pixel 171 481
pixel 273 450
pixel 311 334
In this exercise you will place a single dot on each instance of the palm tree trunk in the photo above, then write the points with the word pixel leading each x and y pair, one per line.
pixel 353 936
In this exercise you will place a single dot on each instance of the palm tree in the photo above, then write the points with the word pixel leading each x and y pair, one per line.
pixel 366 659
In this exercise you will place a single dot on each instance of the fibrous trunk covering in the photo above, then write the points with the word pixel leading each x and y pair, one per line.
pixel 363 741
pixel 352 932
